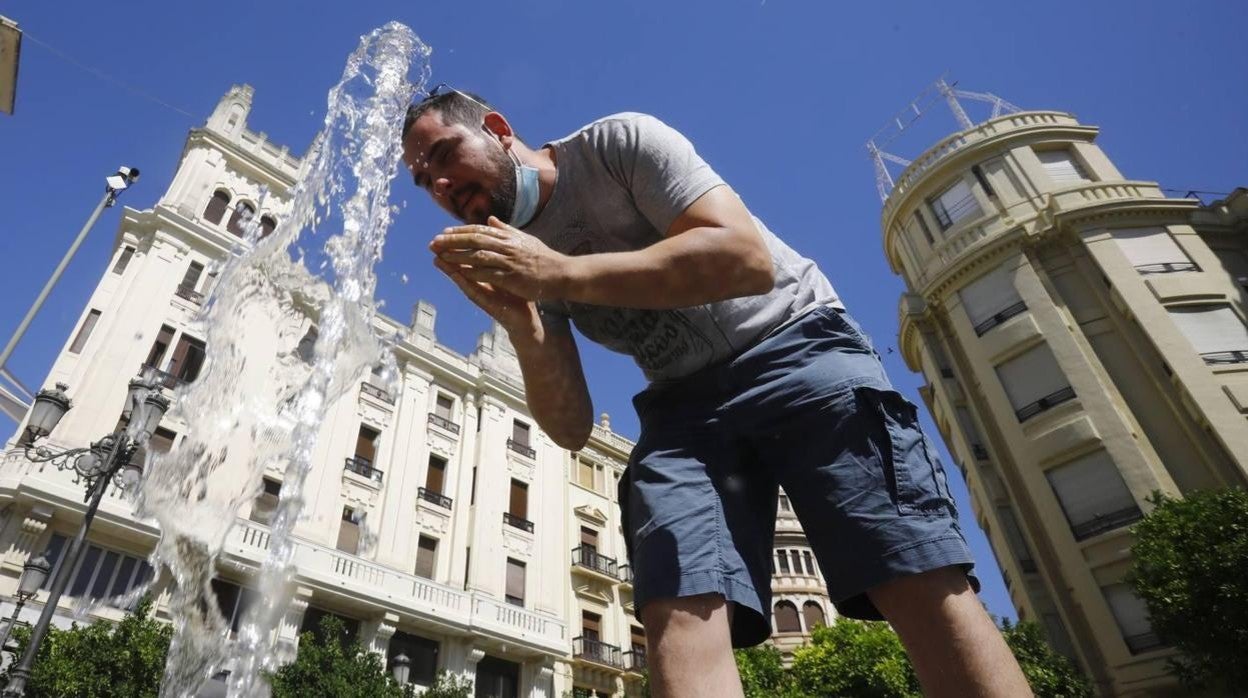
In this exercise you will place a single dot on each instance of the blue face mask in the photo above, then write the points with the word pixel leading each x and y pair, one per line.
pixel 528 191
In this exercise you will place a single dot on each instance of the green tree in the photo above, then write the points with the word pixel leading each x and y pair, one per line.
pixel 329 665
pixel 854 658
pixel 101 660
pixel 1050 674
pixel 763 674
pixel 449 686
pixel 1191 557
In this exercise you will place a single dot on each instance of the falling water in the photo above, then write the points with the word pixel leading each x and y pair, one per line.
pixel 253 414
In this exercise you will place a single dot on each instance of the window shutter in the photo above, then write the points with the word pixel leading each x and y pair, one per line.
pixel 436 477
pixel 1029 377
pixel 954 204
pixel 519 500
pixel 989 295
pixel 1062 167
pixel 84 332
pixel 1145 247
pixel 812 613
pixel 191 278
pixel 1130 612
pixel 784 561
pixel 215 210
pixel 1090 488
pixel 426 553
pixel 123 259
pixel 787 620
pixel 591 625
pixel 589 537
pixel 515 580
pixel 159 347
pixel 1013 534
pixel 349 532
pixel 443 408
pixel 1211 328
pixel 585 473
pixel 366 444
pixel 520 432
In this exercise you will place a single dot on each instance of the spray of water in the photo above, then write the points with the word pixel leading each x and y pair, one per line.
pixel 250 414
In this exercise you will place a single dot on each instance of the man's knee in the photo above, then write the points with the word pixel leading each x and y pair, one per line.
pixel 922 593
pixel 705 615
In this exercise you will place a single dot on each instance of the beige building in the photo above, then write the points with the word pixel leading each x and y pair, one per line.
pixel 439 521
pixel 1084 344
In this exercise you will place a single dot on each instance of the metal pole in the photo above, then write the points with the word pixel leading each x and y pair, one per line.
pixel 17 679
pixel 109 197
pixel 21 601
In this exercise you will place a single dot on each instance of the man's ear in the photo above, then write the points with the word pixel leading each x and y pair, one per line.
pixel 497 124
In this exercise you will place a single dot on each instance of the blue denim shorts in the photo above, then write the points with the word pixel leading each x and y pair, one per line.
pixel 807 408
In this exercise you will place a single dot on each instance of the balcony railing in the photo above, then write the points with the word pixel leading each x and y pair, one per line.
pixel 587 557
pixel 363 467
pixel 1048 401
pixel 626 574
pixel 1166 267
pixel 596 651
pixel 374 391
pixel 443 423
pixel 517 522
pixel 1000 317
pixel 1143 642
pixel 635 660
pixel 189 294
pixel 435 497
pixel 979 451
pixel 1105 522
pixel 166 379
pixel 521 448
pixel 1238 356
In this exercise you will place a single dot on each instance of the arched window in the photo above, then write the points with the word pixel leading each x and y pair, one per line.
pixel 215 210
pixel 787 620
pixel 267 225
pixel 242 213
pixel 812 613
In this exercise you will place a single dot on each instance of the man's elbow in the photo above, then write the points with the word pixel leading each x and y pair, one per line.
pixel 573 439
pixel 758 272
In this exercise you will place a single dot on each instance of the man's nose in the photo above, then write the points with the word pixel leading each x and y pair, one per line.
pixel 441 186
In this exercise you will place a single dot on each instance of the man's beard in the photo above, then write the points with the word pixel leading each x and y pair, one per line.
pixel 503 197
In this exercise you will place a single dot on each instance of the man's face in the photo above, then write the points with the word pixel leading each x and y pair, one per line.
pixel 469 176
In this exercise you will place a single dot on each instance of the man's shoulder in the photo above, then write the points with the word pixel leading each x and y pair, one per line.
pixel 613 127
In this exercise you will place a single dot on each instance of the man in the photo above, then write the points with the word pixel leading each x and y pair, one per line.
pixel 758 379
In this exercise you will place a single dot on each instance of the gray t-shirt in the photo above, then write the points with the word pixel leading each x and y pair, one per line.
pixel 622 181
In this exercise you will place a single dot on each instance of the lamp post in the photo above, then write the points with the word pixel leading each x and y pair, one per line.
pixel 34 574
pixel 116 457
pixel 114 184
pixel 401 666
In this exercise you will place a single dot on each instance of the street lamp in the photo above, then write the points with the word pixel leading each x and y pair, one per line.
pixel 401 665
pixel 34 574
pixel 117 457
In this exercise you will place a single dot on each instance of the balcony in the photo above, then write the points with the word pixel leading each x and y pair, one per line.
pixel 434 498
pixel 1238 356
pixel 189 294
pixel 443 423
pixel 588 558
pixel 364 468
pixel 1009 312
pixel 373 391
pixel 635 660
pixel 1107 522
pixel 517 522
pixel 521 448
pixel 168 380
pixel 1027 565
pixel 626 575
pixel 1143 642
pixel 979 451
pixel 1166 267
pixel 1048 401
pixel 597 652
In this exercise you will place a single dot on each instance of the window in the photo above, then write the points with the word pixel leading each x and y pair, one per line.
pixel 515 582
pixel 242 214
pixel 1093 495
pixel 267 225
pixel 163 339
pixel 349 532
pixel 991 300
pixel 190 280
pixel 812 613
pixel 435 478
pixel 233 601
pixel 443 407
pixel 313 616
pixel 472 493
pixel 266 503
pixel 797 561
pixel 1014 538
pixel 927 232
pixel 1152 250
pixel 366 445
pixel 784 561
pixel 983 181
pixel 421 652
pixel 520 433
pixel 637 636
pixel 518 505
pixel 1132 617
pixel 188 358
pixel 123 259
pixel 1215 331
pixel 585 473
pixel 1034 382
pixel 810 563
pixel 787 620
pixel 426 556
pixel 589 538
pixel 215 210
pixel 784 503
pixel 591 626
pixel 954 204
pixel 1062 167
pixel 84 332
pixel 497 678
pixel 162 440
pixel 101 573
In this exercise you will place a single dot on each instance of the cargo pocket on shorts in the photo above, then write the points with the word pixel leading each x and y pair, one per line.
pixel 913 475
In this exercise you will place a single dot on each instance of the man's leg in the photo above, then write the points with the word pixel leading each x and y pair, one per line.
pixel 954 646
pixel 689 648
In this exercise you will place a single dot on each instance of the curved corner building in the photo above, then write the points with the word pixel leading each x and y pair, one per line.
pixel 1084 345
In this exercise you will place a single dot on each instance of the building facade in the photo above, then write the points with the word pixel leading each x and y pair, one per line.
pixel 438 522
pixel 1083 340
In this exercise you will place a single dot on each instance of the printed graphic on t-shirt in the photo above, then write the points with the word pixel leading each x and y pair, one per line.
pixel 657 339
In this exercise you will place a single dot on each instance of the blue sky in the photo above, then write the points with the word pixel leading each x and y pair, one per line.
pixel 778 95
